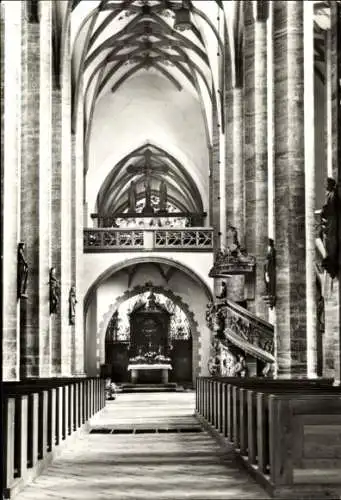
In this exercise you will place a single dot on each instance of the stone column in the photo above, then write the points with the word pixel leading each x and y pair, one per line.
pixel 238 162
pixel 45 165
pixel 261 153
pixel 55 211
pixel 289 189
pixel 310 204
pixel 270 134
pixel 332 336
pixel 215 175
pixel 78 218
pixel 61 215
pixel 11 74
pixel 249 145
pixel 249 131
pixel 215 186
pixel 30 179
pixel 66 210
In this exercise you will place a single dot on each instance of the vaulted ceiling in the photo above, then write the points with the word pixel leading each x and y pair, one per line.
pixel 139 81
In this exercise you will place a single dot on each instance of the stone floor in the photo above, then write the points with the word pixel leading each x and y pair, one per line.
pixel 167 464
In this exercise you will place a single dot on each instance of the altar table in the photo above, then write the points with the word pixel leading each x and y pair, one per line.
pixel 135 369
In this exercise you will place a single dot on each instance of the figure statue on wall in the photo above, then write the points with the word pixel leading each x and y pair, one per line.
pixel 32 9
pixel 329 228
pixel 132 196
pixel 22 272
pixel 54 291
pixel 240 368
pixel 270 274
pixel 148 196
pixel 163 196
pixel 72 305
pixel 223 293
pixel 268 370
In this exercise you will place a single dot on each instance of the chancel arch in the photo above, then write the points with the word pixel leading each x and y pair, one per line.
pixel 184 337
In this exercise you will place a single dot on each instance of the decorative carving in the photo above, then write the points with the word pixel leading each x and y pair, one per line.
pixel 32 11
pixel 234 260
pixel 22 272
pixel 329 228
pixel 54 291
pixel 228 361
pixel 95 239
pixel 270 275
pixel 184 238
pixel 223 293
pixel 320 315
pixel 268 370
pixel 163 196
pixel 240 369
pixel 148 208
pixel 249 331
pixel 72 305
pixel 132 196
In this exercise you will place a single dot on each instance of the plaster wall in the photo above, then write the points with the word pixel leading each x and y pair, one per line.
pixel 109 291
pixel 147 108
pixel 95 265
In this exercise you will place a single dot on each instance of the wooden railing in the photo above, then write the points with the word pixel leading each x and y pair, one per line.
pixel 118 240
pixel 39 417
pixel 287 433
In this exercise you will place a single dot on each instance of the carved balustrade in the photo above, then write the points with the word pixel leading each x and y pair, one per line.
pixel 242 328
pixel 113 239
pixel 184 238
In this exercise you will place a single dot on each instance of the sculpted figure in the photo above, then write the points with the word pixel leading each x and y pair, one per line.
pixel 240 368
pixel 54 291
pixel 329 227
pixel 32 7
pixel 72 305
pixel 132 197
pixel 148 194
pixel 163 196
pixel 268 370
pixel 223 293
pixel 270 270
pixel 22 272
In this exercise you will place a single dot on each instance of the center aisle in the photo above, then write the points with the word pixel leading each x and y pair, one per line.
pixel 144 446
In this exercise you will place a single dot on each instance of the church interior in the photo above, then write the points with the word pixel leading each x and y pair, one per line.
pixel 171 249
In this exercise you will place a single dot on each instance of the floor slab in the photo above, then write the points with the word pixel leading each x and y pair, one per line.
pixel 144 466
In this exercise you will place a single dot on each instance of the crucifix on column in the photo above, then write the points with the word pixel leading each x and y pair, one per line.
pixel 147 170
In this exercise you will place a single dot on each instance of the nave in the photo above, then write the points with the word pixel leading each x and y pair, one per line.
pixel 133 461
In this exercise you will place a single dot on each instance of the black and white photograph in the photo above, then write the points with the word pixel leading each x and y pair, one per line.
pixel 171 249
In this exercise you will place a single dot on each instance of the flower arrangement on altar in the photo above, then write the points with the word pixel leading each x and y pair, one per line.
pixel 150 358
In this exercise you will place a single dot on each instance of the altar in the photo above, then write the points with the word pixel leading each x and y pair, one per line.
pixel 138 371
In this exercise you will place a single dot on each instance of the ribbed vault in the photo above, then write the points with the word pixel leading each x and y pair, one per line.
pixel 182 190
pixel 119 46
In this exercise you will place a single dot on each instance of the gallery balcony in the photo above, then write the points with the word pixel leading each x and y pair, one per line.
pixel 99 240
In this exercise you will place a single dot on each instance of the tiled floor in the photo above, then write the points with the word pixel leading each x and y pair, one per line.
pixel 164 465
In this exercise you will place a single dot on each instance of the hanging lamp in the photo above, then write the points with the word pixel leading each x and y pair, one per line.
pixel 183 17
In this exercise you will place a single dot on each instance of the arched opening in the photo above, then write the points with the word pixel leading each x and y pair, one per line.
pixel 181 291
pixel 154 334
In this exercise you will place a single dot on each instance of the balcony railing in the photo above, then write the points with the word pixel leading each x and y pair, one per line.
pixel 285 432
pixel 115 240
